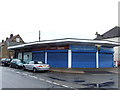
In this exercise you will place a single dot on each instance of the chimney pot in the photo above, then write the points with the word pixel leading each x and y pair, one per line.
pixel 2 41
pixel 6 38
pixel 11 35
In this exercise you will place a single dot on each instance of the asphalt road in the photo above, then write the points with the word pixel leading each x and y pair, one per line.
pixel 14 79
pixel 17 78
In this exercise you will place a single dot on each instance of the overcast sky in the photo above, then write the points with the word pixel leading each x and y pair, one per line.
pixel 57 18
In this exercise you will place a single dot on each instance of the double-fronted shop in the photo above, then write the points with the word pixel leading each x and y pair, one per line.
pixel 68 53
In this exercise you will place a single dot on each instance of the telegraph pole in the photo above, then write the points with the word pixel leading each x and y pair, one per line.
pixel 39 35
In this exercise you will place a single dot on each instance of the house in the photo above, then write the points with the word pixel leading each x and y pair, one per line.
pixel 68 53
pixel 11 41
pixel 112 35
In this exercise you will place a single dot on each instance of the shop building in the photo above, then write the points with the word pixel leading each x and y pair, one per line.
pixel 69 53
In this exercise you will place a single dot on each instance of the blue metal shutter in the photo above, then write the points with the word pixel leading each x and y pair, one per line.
pixel 106 60
pixel 83 60
pixel 106 57
pixel 58 58
pixel 39 56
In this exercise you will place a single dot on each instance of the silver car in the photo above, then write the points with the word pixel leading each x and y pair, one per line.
pixel 36 66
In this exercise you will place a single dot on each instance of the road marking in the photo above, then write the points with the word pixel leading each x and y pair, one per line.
pixel 24 74
pixel 18 72
pixel 56 83
pixel 49 81
pixel 33 76
pixel 65 86
pixel 41 79
pixel 72 87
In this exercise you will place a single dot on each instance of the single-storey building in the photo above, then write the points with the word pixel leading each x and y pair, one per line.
pixel 112 35
pixel 68 52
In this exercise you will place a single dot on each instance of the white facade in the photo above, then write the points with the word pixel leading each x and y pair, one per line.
pixel 116 49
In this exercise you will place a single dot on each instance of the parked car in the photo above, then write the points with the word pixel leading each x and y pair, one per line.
pixel 36 66
pixel 5 61
pixel 16 63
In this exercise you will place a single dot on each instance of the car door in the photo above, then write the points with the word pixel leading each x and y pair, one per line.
pixel 12 63
pixel 26 66
pixel 31 64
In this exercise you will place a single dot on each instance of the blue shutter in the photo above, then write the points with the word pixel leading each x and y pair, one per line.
pixel 106 60
pixel 106 57
pixel 58 58
pixel 83 60
pixel 39 56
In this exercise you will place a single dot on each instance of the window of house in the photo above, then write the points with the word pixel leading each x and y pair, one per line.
pixel 17 39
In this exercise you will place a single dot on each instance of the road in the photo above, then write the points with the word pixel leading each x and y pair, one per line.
pixel 17 78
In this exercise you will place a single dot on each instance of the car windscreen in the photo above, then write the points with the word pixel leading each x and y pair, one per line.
pixel 17 61
pixel 8 59
pixel 3 59
pixel 38 62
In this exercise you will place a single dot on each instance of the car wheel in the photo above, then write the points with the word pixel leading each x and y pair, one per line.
pixel 24 68
pixel 3 64
pixel 10 66
pixel 34 70
pixel 16 67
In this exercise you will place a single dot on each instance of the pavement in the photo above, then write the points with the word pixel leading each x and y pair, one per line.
pixel 86 70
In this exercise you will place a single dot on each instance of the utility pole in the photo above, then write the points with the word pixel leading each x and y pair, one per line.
pixel 39 35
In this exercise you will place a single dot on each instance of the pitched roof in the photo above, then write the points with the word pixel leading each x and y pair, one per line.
pixel 12 38
pixel 114 32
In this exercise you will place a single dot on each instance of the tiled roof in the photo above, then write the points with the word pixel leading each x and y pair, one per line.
pixel 12 38
pixel 114 32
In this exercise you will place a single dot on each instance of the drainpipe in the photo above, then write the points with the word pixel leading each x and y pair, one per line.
pixel 69 58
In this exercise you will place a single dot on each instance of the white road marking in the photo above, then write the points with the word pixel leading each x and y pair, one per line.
pixel 70 87
pixel 33 76
pixel 18 72
pixel 41 79
pixel 49 81
pixel 24 74
pixel 56 83
pixel 65 86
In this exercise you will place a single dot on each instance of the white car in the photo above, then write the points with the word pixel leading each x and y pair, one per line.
pixel 36 66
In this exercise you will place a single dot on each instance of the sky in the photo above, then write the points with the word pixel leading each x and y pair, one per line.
pixel 57 18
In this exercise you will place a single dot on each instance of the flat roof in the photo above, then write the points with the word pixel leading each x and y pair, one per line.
pixel 67 41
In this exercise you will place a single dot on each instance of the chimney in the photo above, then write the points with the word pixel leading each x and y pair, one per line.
pixel 11 35
pixel 6 38
pixel 97 34
pixel 2 41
